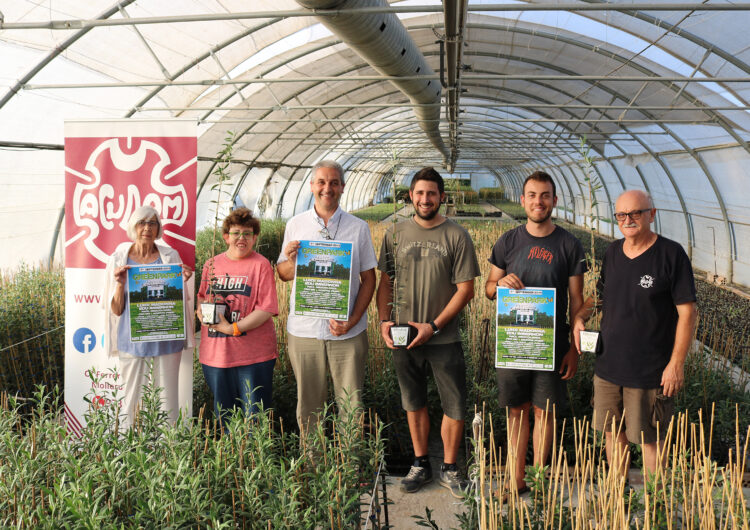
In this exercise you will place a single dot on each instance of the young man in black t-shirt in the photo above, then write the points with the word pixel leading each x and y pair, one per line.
pixel 648 317
pixel 538 254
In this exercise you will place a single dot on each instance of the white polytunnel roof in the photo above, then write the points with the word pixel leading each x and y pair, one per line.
pixel 492 91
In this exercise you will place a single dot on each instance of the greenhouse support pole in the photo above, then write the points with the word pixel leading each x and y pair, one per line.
pixel 58 224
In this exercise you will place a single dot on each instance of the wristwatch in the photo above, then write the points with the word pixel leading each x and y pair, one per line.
pixel 435 329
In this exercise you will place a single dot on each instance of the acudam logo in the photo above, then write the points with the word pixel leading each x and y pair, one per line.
pixel 108 178
pixel 84 340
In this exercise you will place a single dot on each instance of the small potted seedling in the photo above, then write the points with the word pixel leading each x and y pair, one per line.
pixel 214 304
pixel 590 337
pixel 401 334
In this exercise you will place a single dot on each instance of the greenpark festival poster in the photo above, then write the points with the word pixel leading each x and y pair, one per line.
pixel 526 328
pixel 322 278
pixel 156 303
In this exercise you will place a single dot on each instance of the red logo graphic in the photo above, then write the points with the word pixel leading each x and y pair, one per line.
pixel 108 178
pixel 540 253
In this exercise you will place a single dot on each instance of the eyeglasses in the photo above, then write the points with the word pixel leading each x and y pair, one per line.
pixel 634 215
pixel 325 233
pixel 240 235
pixel 151 224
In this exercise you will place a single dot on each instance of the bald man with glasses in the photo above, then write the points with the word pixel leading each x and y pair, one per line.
pixel 648 308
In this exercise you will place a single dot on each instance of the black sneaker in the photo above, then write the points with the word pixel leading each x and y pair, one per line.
pixel 451 479
pixel 416 478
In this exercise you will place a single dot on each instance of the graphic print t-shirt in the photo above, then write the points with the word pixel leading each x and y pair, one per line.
pixel 543 262
pixel 639 317
pixel 246 285
pixel 430 262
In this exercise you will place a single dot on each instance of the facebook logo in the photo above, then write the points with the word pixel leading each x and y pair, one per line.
pixel 84 340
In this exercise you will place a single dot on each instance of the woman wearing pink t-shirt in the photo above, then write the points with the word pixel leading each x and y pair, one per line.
pixel 238 354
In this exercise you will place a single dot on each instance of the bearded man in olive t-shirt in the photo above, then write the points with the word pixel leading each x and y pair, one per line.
pixel 435 266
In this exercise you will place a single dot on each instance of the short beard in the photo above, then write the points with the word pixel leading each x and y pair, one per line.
pixel 540 221
pixel 429 217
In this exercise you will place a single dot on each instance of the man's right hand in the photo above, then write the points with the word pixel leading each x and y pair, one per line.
pixel 385 332
pixel 511 281
pixel 291 250
pixel 578 326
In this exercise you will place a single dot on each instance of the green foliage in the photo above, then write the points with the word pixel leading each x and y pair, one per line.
pixel 192 475
pixel 377 212
pixel 510 208
pixel 491 194
pixel 32 306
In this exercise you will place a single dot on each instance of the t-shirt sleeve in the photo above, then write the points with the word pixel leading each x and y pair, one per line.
pixel 267 299
pixel 497 256
pixel 683 283
pixel 577 263
pixel 385 261
pixel 465 264
pixel 367 259
pixel 602 272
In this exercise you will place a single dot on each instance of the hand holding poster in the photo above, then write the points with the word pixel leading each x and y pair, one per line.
pixel 526 328
pixel 322 279
pixel 156 300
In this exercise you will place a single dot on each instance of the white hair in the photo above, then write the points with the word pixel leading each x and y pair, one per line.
pixel 141 214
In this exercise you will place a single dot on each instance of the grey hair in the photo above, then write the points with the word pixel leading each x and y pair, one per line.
pixel 141 214
pixel 331 164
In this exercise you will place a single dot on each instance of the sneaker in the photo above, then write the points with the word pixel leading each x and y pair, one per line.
pixel 416 478
pixel 451 479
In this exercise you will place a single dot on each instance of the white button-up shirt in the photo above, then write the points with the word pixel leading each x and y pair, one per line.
pixel 342 226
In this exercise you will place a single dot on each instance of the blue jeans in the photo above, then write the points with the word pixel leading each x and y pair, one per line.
pixel 245 386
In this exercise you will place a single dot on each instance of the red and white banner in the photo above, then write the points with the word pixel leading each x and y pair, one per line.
pixel 112 168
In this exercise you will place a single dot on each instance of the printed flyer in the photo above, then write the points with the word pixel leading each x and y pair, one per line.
pixel 156 303
pixel 526 328
pixel 322 278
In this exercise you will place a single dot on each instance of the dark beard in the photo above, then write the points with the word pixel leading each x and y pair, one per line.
pixel 430 216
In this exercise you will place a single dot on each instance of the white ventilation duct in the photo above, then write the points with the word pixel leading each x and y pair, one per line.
pixel 382 40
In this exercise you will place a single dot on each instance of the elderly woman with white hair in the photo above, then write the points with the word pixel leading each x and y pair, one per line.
pixel 144 228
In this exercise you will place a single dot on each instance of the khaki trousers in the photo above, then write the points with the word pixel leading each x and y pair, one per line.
pixel 311 359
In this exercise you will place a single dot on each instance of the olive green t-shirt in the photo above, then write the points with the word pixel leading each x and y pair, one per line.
pixel 429 264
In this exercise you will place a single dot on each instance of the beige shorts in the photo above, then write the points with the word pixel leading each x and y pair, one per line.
pixel 646 410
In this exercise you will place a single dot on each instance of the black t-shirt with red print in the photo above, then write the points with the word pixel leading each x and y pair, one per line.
pixel 547 261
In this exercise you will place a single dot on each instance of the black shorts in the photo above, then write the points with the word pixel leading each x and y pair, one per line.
pixel 518 387
pixel 448 368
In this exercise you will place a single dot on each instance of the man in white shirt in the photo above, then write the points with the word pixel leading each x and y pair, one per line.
pixel 314 343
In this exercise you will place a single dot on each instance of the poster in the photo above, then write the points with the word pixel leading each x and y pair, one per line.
pixel 157 308
pixel 322 278
pixel 111 168
pixel 526 328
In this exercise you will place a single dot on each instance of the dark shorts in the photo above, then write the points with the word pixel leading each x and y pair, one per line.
pixel 448 368
pixel 646 410
pixel 518 387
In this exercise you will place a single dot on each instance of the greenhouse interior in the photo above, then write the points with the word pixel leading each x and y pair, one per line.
pixel 603 96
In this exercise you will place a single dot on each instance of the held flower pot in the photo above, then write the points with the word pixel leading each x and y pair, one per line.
pixel 211 312
pixel 590 342
pixel 402 334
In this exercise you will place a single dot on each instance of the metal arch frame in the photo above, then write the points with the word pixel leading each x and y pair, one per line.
pixel 635 138
pixel 721 122
pixel 689 151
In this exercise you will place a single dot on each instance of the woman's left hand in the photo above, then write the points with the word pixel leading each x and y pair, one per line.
pixel 187 272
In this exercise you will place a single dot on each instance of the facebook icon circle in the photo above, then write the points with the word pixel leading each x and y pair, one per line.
pixel 84 340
